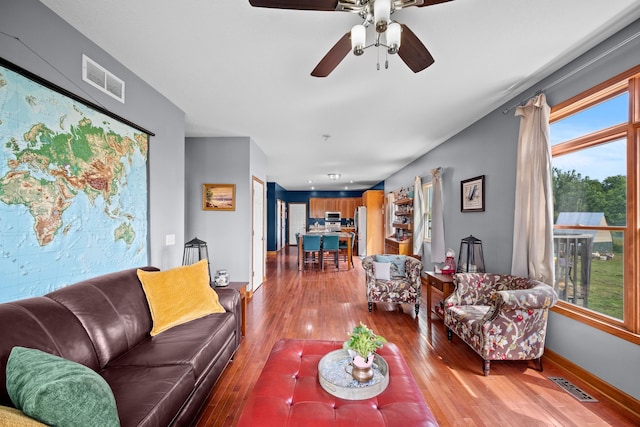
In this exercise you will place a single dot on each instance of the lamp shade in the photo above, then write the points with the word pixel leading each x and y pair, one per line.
pixel 358 39
pixel 393 37
pixel 381 14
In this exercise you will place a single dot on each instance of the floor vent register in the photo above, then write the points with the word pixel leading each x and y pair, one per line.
pixel 572 389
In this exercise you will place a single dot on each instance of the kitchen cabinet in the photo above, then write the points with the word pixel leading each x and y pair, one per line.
pixel 345 205
pixel 330 205
pixel 316 207
pixel 348 205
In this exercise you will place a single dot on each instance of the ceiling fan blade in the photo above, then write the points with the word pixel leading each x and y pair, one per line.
pixel 326 5
pixel 432 2
pixel 413 52
pixel 333 57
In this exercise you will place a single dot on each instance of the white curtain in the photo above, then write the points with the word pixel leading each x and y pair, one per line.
pixel 388 226
pixel 438 251
pixel 533 218
pixel 418 216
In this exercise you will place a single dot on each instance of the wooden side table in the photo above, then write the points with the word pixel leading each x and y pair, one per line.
pixel 242 288
pixel 442 282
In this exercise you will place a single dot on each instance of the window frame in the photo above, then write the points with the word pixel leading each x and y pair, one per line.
pixel 428 210
pixel 628 81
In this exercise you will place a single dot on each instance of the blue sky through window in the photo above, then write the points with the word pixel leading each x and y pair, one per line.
pixel 598 162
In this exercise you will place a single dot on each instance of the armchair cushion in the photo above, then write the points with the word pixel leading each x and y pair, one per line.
pixel 382 270
pixel 398 262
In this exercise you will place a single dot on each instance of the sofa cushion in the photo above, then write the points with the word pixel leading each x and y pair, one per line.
pixel 197 343
pixel 46 325
pixel 397 264
pixel 16 418
pixel 57 391
pixel 112 308
pixel 382 270
pixel 179 295
pixel 149 395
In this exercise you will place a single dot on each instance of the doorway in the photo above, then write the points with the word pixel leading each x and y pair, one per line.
pixel 297 221
pixel 281 224
pixel 258 259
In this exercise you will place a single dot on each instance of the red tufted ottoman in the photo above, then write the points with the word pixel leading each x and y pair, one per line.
pixel 288 393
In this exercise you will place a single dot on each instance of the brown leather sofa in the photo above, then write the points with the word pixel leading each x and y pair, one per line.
pixel 104 323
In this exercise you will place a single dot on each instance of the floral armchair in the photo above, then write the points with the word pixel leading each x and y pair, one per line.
pixel 501 317
pixel 393 279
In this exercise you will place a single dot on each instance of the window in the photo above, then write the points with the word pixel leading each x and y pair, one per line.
pixel 594 143
pixel 427 191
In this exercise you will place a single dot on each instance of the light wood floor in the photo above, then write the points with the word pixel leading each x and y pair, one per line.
pixel 316 305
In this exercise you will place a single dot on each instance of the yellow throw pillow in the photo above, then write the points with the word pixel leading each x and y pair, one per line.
pixel 179 295
pixel 12 417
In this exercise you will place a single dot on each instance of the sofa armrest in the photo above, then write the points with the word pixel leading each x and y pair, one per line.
pixel 413 269
pixel 230 299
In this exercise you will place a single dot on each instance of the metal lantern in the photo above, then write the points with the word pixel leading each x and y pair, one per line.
pixel 194 251
pixel 470 257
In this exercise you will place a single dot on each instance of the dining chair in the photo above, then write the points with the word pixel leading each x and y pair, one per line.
pixel 330 244
pixel 344 248
pixel 311 247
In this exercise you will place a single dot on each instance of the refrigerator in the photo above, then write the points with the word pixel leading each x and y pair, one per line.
pixel 360 221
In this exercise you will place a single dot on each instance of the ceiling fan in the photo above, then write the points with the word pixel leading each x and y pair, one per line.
pixel 395 37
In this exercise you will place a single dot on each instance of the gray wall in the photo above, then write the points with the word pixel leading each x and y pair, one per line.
pixel 488 147
pixel 232 160
pixel 62 46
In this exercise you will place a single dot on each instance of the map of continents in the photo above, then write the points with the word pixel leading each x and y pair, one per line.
pixel 73 191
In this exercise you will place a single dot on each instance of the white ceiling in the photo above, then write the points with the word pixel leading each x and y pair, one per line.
pixel 236 70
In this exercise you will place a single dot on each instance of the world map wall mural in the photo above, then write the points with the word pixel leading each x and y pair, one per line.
pixel 73 190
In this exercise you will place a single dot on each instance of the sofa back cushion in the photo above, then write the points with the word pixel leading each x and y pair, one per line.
pixel 43 324
pixel 112 308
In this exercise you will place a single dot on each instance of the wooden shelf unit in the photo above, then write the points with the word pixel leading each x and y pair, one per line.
pixel 401 242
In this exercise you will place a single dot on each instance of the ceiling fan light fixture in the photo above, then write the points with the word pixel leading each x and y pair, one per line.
pixel 358 39
pixel 382 14
pixel 393 38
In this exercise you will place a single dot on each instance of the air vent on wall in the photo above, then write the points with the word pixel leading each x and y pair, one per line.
pixel 98 77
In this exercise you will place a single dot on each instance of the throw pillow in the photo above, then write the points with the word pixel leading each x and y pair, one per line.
pixel 382 270
pixel 397 264
pixel 57 391
pixel 179 295
pixel 16 418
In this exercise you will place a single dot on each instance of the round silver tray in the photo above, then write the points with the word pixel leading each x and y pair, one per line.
pixel 335 377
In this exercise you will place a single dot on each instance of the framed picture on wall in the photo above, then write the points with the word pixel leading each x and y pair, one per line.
pixel 472 194
pixel 219 197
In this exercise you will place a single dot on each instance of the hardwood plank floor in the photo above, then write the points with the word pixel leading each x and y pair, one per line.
pixel 317 305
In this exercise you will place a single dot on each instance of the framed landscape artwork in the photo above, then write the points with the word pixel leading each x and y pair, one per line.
pixel 219 197
pixel 472 194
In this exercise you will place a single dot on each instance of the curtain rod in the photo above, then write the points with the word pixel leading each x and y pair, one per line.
pixel 571 73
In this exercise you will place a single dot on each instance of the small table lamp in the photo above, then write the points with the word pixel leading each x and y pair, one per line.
pixel 470 257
